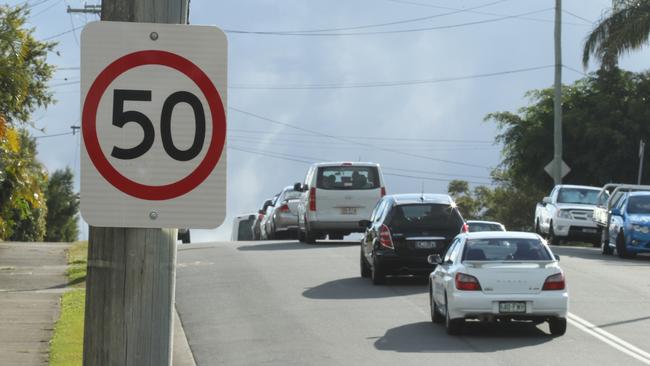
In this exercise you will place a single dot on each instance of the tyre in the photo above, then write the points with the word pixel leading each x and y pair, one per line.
pixel 553 240
pixel 454 326
pixel 436 317
pixel 376 273
pixel 365 268
pixel 557 326
pixel 301 236
pixel 538 231
pixel 604 244
pixel 620 247
pixel 185 237
pixel 310 238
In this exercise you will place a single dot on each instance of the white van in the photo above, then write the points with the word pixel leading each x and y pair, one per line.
pixel 335 196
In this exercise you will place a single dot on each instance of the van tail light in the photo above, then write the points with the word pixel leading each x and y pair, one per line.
pixel 312 199
pixel 465 228
pixel 385 239
pixel 284 208
pixel 383 191
pixel 467 282
pixel 554 282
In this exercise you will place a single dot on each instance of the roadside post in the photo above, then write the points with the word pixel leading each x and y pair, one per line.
pixel 641 154
pixel 153 96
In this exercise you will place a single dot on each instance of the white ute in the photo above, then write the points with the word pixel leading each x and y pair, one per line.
pixel 566 214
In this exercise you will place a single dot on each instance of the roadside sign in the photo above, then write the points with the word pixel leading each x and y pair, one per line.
pixel 550 168
pixel 153 115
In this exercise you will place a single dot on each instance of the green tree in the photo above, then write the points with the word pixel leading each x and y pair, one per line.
pixel 626 27
pixel 24 74
pixel 62 207
pixel 605 115
pixel 468 205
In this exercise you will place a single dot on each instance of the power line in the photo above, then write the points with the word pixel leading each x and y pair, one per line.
pixel 54 135
pixel 578 17
pixel 472 10
pixel 62 33
pixel 383 83
pixel 575 70
pixel 355 142
pixel 46 9
pixel 296 33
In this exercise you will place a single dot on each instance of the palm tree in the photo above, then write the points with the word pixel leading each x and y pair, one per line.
pixel 625 28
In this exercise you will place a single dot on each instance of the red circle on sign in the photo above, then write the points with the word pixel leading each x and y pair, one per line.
pixel 89 125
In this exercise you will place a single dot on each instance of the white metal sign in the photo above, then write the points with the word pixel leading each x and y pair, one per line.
pixel 153 102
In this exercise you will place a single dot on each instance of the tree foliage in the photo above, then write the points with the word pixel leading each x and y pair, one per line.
pixel 624 28
pixel 604 117
pixel 62 207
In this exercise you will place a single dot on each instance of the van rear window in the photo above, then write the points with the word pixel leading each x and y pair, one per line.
pixel 347 177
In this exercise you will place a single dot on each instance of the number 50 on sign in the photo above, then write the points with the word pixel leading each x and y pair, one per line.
pixel 153 125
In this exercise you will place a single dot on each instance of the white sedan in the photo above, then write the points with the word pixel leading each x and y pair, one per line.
pixel 498 276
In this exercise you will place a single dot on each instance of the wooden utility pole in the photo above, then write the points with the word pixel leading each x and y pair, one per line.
pixel 557 102
pixel 132 271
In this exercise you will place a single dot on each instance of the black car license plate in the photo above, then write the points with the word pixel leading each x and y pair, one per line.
pixel 425 244
pixel 512 307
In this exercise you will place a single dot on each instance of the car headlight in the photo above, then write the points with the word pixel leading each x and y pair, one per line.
pixel 564 214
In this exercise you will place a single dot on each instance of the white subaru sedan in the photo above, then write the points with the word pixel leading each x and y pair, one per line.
pixel 498 276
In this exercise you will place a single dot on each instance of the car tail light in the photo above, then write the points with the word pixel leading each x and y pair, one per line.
pixel 284 208
pixel 467 282
pixel 554 282
pixel 385 239
pixel 312 199
pixel 260 217
pixel 465 228
pixel 383 191
pixel 346 164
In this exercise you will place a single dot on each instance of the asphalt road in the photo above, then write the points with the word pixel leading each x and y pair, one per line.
pixel 286 303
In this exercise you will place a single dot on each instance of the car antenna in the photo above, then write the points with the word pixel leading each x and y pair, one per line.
pixel 422 194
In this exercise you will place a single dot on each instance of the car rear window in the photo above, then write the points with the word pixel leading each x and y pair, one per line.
pixel 426 216
pixel 482 226
pixel 244 231
pixel 347 177
pixel 505 250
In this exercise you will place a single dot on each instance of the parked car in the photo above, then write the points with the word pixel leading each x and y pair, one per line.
pixel 256 227
pixel 264 235
pixel 282 220
pixel 498 276
pixel 566 214
pixel 478 225
pixel 628 229
pixel 242 227
pixel 404 230
pixel 335 196
pixel 183 235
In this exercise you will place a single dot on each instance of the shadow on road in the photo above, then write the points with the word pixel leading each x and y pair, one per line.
pixel 595 254
pixel 362 288
pixel 294 245
pixel 479 337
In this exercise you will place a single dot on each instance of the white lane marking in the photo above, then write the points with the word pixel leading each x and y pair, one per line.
pixel 610 339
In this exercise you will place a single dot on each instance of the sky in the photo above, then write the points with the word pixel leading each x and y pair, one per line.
pixel 403 83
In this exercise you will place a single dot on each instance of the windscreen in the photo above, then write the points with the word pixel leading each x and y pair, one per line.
pixel 639 205
pixel 505 250
pixel 244 231
pixel 291 195
pixel 482 226
pixel 579 196
pixel 347 177
pixel 425 216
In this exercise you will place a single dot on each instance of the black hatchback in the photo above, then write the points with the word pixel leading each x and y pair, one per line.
pixel 404 230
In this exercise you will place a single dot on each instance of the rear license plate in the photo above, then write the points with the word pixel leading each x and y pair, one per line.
pixel 349 211
pixel 512 307
pixel 425 244
pixel 590 231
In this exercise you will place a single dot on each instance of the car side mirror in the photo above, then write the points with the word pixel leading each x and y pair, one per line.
pixel 616 211
pixel 557 257
pixel 364 223
pixel 546 200
pixel 297 187
pixel 434 259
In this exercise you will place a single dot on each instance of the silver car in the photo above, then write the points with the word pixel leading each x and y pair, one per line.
pixel 281 221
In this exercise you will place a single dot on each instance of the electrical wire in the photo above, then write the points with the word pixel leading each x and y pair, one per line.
pixel 54 135
pixel 337 34
pixel 62 33
pixel 259 117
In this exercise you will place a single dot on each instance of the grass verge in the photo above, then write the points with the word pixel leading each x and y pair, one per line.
pixel 66 346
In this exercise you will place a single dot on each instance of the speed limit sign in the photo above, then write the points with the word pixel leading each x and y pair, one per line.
pixel 153 115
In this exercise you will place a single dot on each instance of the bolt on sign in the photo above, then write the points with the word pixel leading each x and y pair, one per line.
pixel 153 100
